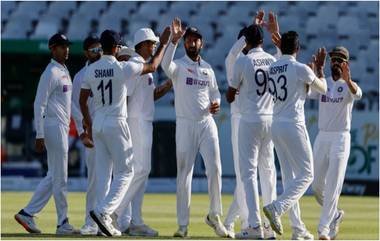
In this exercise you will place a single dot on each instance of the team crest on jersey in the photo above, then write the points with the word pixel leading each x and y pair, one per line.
pixel 340 89
pixel 204 72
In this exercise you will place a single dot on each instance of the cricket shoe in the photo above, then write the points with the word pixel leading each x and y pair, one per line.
pixel 305 235
pixel 27 222
pixel 142 230
pixel 274 219
pixel 323 236
pixel 214 222
pixel 181 232
pixel 251 233
pixel 88 229
pixel 66 228
pixel 269 234
pixel 334 226
pixel 104 223
pixel 230 230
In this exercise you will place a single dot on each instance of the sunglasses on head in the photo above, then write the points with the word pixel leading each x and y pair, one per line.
pixel 339 60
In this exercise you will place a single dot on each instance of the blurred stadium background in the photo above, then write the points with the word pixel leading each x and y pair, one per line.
pixel 26 27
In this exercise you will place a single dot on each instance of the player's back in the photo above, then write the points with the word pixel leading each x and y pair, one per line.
pixel 290 78
pixel 255 99
pixel 107 81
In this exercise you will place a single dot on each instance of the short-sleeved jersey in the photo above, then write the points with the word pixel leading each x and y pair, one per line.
pixel 141 95
pixel 289 78
pixel 194 84
pixel 107 78
pixel 53 97
pixel 250 76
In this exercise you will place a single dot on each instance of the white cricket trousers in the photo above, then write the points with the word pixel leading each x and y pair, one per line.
pixel 114 154
pixel 331 152
pixel 267 175
pixel 255 146
pixel 238 207
pixel 191 137
pixel 142 138
pixel 91 185
pixel 56 143
pixel 292 144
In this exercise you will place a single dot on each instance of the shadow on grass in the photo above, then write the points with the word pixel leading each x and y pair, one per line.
pixel 54 236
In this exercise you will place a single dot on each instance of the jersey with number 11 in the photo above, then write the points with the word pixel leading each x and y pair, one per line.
pixel 290 78
pixel 108 80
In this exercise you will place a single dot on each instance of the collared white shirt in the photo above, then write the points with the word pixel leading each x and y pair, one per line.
pixel 335 107
pixel 250 76
pixel 194 84
pixel 107 78
pixel 289 77
pixel 141 94
pixel 53 97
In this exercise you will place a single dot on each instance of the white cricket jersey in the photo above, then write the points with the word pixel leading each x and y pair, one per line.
pixel 77 85
pixel 194 84
pixel 250 76
pixel 108 80
pixel 289 77
pixel 335 107
pixel 141 95
pixel 233 55
pixel 53 97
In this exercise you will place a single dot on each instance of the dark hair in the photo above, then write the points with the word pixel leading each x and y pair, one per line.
pixel 109 39
pixel 290 42
pixel 254 35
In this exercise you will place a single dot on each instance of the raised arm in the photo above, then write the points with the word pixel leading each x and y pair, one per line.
pixel 156 59
pixel 317 65
pixel 355 90
pixel 232 56
pixel 168 65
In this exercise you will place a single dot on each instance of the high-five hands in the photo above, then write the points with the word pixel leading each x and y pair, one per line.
pixel 177 30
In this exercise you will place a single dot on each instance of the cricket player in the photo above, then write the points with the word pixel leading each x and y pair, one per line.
pixel 107 80
pixel 141 97
pixel 196 98
pixel 255 105
pixel 52 108
pixel 332 145
pixel 92 51
pixel 125 53
pixel 291 79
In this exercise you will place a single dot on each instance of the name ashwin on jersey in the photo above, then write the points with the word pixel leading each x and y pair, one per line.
pixel 102 73
pixel 261 62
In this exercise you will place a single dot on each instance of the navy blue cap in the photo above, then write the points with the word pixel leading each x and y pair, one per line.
pixel 254 33
pixel 90 40
pixel 194 31
pixel 110 38
pixel 58 39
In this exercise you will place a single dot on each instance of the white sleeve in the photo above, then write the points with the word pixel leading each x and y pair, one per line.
pixel 358 94
pixel 75 109
pixel 232 56
pixel 305 74
pixel 132 69
pixel 237 73
pixel 278 53
pixel 214 90
pixel 85 82
pixel 167 64
pixel 45 87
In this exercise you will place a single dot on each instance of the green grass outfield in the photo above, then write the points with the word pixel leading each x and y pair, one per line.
pixel 361 220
